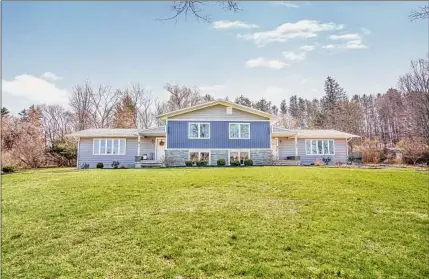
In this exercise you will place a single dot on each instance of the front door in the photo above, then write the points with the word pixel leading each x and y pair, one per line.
pixel 274 147
pixel 159 149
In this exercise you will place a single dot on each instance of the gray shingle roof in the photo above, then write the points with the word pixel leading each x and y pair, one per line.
pixel 105 133
pixel 307 133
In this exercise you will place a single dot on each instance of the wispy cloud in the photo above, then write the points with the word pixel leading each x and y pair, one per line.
pixel 226 24
pixel 292 56
pixel 308 48
pixel 301 29
pixel 51 76
pixel 265 63
pixel 365 31
pixel 352 41
pixel 287 4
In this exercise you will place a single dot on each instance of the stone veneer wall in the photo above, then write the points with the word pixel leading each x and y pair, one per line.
pixel 218 154
pixel 176 157
pixel 260 156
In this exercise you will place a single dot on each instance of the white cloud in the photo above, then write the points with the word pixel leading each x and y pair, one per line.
pixel 287 4
pixel 34 90
pixel 353 41
pixel 308 48
pixel 353 36
pixel 365 31
pixel 226 24
pixel 262 62
pixel 51 76
pixel 301 29
pixel 292 56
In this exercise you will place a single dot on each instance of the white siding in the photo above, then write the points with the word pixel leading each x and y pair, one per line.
pixel 287 148
pixel 218 112
pixel 85 154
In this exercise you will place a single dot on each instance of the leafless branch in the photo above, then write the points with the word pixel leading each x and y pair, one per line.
pixel 420 13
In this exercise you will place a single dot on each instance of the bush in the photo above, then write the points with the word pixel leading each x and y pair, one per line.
pixel 318 163
pixel 221 162
pixel 123 166
pixel 100 165
pixel 235 163
pixel 84 166
pixel 326 160
pixel 248 162
pixel 9 169
pixel 202 163
pixel 115 164
pixel 189 163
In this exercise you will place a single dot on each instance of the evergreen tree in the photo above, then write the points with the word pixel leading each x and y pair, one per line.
pixel 283 107
pixel 242 100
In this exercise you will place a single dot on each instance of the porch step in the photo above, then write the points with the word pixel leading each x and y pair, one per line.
pixel 287 163
pixel 149 164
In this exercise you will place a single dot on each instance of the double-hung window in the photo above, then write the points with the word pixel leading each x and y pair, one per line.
pixel 239 130
pixel 319 147
pixel 199 131
pixel 107 146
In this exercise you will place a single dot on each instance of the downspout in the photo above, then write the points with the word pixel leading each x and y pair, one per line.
pixel 77 156
pixel 138 145
pixel 296 144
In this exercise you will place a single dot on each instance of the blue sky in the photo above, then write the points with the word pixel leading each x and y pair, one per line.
pixel 269 49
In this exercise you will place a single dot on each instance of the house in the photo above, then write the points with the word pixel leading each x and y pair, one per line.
pixel 211 131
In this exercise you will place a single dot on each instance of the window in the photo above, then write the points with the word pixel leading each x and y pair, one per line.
pixel 319 147
pixel 199 131
pixel 239 155
pixel 109 146
pixel 239 131
pixel 199 156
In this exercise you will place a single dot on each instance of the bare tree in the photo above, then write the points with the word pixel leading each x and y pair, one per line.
pixel 143 101
pixel 421 13
pixel 195 8
pixel 183 97
pixel 103 102
pixel 81 103
pixel 56 122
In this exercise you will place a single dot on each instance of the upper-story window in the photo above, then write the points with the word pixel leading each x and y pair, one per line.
pixel 319 147
pixel 199 130
pixel 239 130
pixel 109 146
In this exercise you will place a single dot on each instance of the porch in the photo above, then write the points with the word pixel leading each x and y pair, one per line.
pixel 151 144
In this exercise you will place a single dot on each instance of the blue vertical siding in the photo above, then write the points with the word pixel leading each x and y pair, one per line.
pixel 177 135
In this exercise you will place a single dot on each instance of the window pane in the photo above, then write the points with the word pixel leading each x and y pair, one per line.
pixel 233 156
pixel 194 156
pixel 122 146
pixel 193 130
pixel 314 147
pixel 320 147
pixel 331 147
pixel 96 146
pixel 244 130
pixel 204 156
pixel 244 156
pixel 103 146
pixel 233 131
pixel 115 146
pixel 325 147
pixel 109 146
pixel 204 131
pixel 308 147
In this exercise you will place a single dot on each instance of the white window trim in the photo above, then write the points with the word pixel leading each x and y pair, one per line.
pixel 105 146
pixel 199 155
pixel 236 150
pixel 239 130
pixel 199 125
pixel 311 149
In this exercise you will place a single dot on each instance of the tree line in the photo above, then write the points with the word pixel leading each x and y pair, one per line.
pixel 36 136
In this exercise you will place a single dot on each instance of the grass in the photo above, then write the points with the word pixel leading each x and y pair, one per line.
pixel 267 222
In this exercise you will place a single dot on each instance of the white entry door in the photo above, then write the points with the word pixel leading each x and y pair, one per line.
pixel 274 147
pixel 159 149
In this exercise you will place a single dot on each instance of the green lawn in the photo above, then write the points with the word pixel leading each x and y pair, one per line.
pixel 269 222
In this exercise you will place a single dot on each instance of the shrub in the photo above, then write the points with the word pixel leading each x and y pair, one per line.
pixel 100 165
pixel 84 166
pixel 189 163
pixel 9 169
pixel 202 163
pixel 326 160
pixel 221 162
pixel 123 166
pixel 235 163
pixel 115 164
pixel 248 162
pixel 317 163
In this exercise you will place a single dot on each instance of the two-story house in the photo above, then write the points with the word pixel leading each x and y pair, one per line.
pixel 211 131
